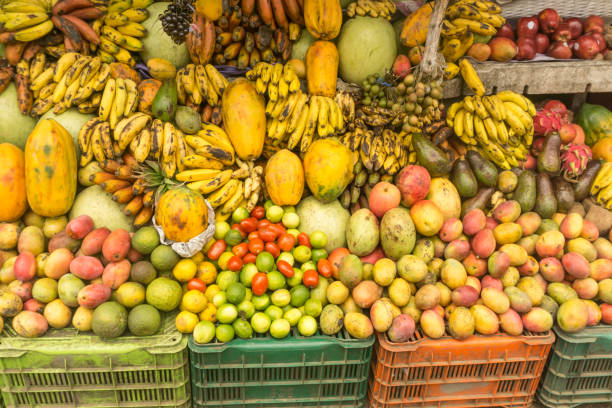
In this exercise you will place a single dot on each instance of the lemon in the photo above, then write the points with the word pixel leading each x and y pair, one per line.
pixel 186 321
pixel 194 301
pixel 198 257
pixel 207 272
pixel 209 313
pixel 185 270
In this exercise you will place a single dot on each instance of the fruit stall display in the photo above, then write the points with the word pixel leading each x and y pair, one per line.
pixel 286 175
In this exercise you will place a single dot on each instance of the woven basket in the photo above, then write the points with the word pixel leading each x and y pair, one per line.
pixel 565 8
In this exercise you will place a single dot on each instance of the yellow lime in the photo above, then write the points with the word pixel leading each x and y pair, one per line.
pixel 194 301
pixel 185 270
pixel 130 294
pixel 222 261
pixel 186 321
pixel 207 272
pixel 209 313
pixel 198 257
pixel 211 291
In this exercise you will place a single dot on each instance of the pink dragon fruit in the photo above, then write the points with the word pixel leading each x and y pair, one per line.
pixel 546 122
pixel 574 159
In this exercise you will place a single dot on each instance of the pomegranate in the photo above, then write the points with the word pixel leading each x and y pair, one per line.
pixel 559 50
pixel 549 20
pixel 594 23
pixel 527 27
pixel 526 49
pixel 541 43
pixel 505 31
pixel 562 33
pixel 575 26
pixel 586 47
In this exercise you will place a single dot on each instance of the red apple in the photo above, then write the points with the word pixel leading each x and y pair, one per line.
pixel 579 139
pixel 383 197
pixel 413 182
pixel 599 38
pixel 527 27
pixel 594 23
pixel 503 49
pixel 567 133
pixel 541 42
pixel 575 26
pixel 549 20
pixel 562 33
pixel 526 49
pixel 559 50
pixel 586 47
pixel 505 31
pixel 401 66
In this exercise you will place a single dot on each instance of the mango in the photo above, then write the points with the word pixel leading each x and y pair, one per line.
pixel 93 295
pixel 331 319
pixel 86 267
pixel 424 249
pixel 576 265
pixel 397 233
pixel 24 267
pixel 412 310
pixel 116 273
pixel 451 229
pixel 381 315
pixel 605 290
pixel 427 296
pixel 81 319
pixel 550 243
pixel 519 300
pixel 427 217
pixel 432 324
pixel 358 325
pixel 458 249
pixel 93 242
pixel 529 222
pixel 31 239
pixel 507 212
pixel 30 324
pixel 453 273
pixel 552 269
pixel 79 227
pixel 537 320
pixel 411 268
pixel 507 233
pixel 518 255
pixel 62 240
pixel 590 232
pixel 399 292
pixel 549 305
pixel 33 305
pixel 53 225
pixel 44 290
pixel 445 294
pixel 117 245
pixel 366 293
pixel 68 288
pixel 495 300
pixel 511 323
pixel 58 263
pixel 561 292
pixel 489 281
pixel 384 271
pixel 532 288
pixel 57 314
pixel 600 269
pixel 485 320
pixel 583 247
pixel 498 263
pixel 474 221
pixel 603 248
pixel 461 324
pixel 572 315
pixel 465 296
pixel 21 289
pixel 474 265
pixel 483 243
pixel 586 288
pixel 9 235
pixel 571 226
pixel 402 329
pixel 528 243
pixel 473 282
pixel 594 313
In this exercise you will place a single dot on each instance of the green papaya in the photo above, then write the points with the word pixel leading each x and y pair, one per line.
pixel 525 191
pixel 165 101
pixel 480 200
pixel 430 156
pixel 564 193
pixel 549 159
pixel 546 202
pixel 484 170
pixel 463 178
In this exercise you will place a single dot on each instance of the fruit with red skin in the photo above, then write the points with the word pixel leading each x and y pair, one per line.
pixel 506 31
pixel 538 145
pixel 401 66
pixel 310 279
pixel 562 33
pixel 594 24
pixel 555 105
pixel 541 43
pixel 234 263
pixel 586 47
pixel 579 139
pixel 529 163
pixel 567 133
pixel 374 256
pixel 196 284
pixel 599 38
pixel 258 212
pixel 549 20
pixel 383 197
pixel 413 182
pixel 503 49
pixel 216 249
pixel 325 268
pixel 576 27
pixel 527 27
pixel 526 49
pixel 285 268
pixel 259 283
pixel 559 50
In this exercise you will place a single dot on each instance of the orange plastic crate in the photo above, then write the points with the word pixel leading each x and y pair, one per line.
pixel 482 371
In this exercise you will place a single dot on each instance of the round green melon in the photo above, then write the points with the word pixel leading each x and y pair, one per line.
pixel 157 44
pixel 299 48
pixel 72 120
pixel 14 127
pixel 105 212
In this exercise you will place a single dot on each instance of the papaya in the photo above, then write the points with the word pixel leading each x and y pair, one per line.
pixel 323 18
pixel 147 90
pixel 596 121
pixel 328 166
pixel 414 30
pixel 50 169
pixel 430 156
pixel 603 149
pixel 244 118
pixel 284 177
pixel 12 183
pixel 182 214
pixel 322 68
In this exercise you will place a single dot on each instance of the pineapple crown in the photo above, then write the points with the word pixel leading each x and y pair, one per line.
pixel 574 159
pixel 156 178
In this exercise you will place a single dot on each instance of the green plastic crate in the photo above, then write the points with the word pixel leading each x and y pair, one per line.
pixel 579 370
pixel 69 369
pixel 317 371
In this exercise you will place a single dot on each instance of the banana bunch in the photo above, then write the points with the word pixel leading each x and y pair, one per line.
pixel 377 117
pixel 602 186
pixel 347 105
pixel 499 126
pixel 200 83
pixel 372 8
pixel 26 20
pixel 120 30
pixel 275 81
pixel 119 100
pixel 321 117
pixel 74 80
pixel 125 186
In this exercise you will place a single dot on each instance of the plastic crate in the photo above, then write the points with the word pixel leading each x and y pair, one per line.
pixel 580 369
pixel 317 371
pixel 69 369
pixel 482 371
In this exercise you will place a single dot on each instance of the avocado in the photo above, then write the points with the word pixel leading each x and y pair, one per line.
pixel 564 193
pixel 480 200
pixel 430 156
pixel 525 192
pixel 546 202
pixel 549 159
pixel 484 169
pixel 463 178
pixel 582 187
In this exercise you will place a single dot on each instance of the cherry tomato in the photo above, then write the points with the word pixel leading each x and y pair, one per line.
pixel 325 268
pixel 285 268
pixel 253 235
pixel 234 263
pixel 259 283
pixel 196 284
pixel 248 224
pixel 263 223
pixel 278 228
pixel 286 242
pixel 310 278
pixel 249 258
pixel 239 229
pixel 267 234
pixel 303 239
pixel 272 248
pixel 256 246
pixel 241 249
pixel 258 212
pixel 215 251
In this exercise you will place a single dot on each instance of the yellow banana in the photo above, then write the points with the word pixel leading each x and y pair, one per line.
pixel 513 119
pixel 132 29
pixel 459 123
pixel 157 138
pixel 220 196
pixel 108 97
pixel 490 107
pixel 169 147
pixel 143 145
pixel 479 107
pixel 131 101
pixel 63 64
pixel 471 77
pixel 479 130
pixel 201 162
pixel 468 104
pixel 468 124
pixel 510 96
pixel 491 129
pixel 210 185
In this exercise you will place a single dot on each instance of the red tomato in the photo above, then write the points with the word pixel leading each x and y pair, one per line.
pixel 263 223
pixel 335 257
pixel 249 258
pixel 253 235
pixel 215 251
pixel 310 279
pixel 303 239
pixel 278 228
pixel 259 283
pixel 239 229
pixel 325 268
pixel 268 234
pixel 255 246
pixel 286 242
pixel 196 284
pixel 249 224
pixel 258 212
pixel 285 268
pixel 241 249
pixel 272 248
pixel 234 263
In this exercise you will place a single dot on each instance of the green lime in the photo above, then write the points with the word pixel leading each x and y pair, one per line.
pixel 287 257
pixel 144 320
pixel 308 265
pixel 243 329
pixel 225 278
pixel 224 333
pixel 246 309
pixel 281 297
pixel 233 237
pixel 289 209
pixel 293 232
pixel 276 280
pixel 280 328
pixel 287 308
pixel 240 214
pixel 261 302
pixel 164 258
pixel 219 299
pixel 296 279
pixel 274 213
pixel 260 322
pixel 313 307
pixel 299 295
pixel 318 239
pixel 164 294
pixel 247 273
pixel 221 228
pixel 307 326
pixel 274 312
pixel 291 220
pixel 292 316
pixel 318 253
pixel 227 313
pixel 204 332
pixel 268 204
pixel 235 292
pixel 302 253
pixel 264 261
pixel 145 240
